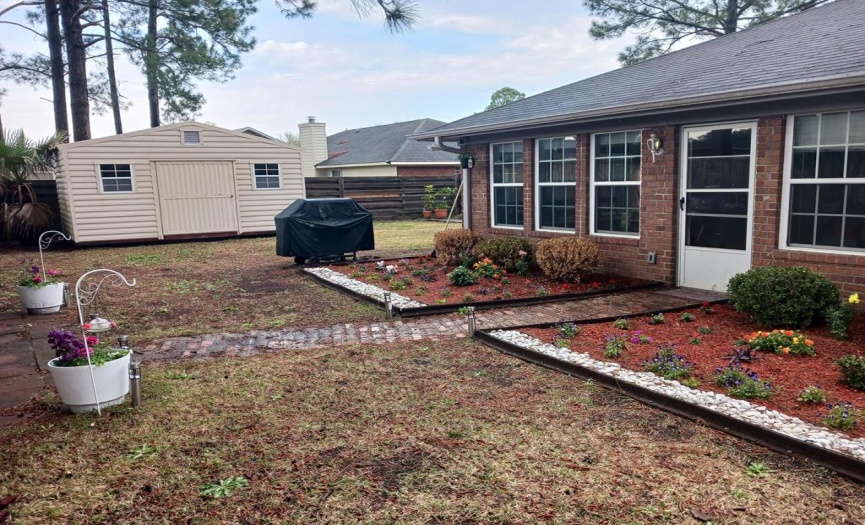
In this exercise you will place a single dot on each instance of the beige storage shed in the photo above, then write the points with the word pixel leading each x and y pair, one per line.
pixel 180 181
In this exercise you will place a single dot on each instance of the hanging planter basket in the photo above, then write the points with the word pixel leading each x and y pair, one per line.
pixel 42 300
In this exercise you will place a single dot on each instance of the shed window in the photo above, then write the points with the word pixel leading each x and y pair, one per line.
pixel 115 177
pixel 266 176
pixel 191 137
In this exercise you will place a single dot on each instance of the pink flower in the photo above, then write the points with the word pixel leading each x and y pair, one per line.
pixel 86 326
pixel 92 341
pixel 52 272
pixel 113 324
pixel 37 280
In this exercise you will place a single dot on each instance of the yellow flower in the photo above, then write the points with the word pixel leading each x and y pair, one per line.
pixel 854 298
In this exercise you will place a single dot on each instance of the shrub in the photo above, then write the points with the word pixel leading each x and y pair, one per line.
pixel 487 268
pixel 452 246
pixel 462 276
pixel 853 370
pixel 779 296
pixel 842 416
pixel 506 252
pixel 568 259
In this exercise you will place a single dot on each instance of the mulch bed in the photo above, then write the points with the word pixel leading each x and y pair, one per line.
pixel 425 279
pixel 788 374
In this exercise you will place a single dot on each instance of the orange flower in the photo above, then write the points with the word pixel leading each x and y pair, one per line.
pixel 785 350
pixel 789 332
pixel 809 342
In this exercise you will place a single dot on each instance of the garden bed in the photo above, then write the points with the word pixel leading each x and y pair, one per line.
pixel 424 282
pixel 788 375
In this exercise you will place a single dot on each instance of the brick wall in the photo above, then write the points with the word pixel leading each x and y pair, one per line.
pixel 426 171
pixel 659 216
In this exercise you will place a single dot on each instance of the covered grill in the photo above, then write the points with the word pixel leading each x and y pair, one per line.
pixel 323 229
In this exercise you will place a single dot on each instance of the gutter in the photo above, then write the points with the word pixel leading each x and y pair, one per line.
pixel 648 108
pixel 465 186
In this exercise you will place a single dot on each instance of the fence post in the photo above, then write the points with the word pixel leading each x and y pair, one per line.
pixel 341 186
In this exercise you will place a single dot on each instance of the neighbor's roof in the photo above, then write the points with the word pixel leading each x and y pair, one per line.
pixel 252 131
pixel 821 48
pixel 388 143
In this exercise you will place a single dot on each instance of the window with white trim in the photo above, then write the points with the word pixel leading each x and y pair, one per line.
pixel 336 173
pixel 115 178
pixel 826 179
pixel 266 176
pixel 615 183
pixel 507 184
pixel 556 183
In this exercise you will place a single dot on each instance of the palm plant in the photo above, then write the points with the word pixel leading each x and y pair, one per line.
pixel 22 215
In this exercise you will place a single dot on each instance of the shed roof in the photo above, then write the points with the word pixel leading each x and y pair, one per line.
pixel 818 49
pixel 387 143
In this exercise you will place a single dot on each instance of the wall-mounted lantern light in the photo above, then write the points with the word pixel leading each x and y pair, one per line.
pixel 655 146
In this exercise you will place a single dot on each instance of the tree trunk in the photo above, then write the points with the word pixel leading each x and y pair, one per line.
pixel 151 63
pixel 112 78
pixel 58 72
pixel 76 58
pixel 731 17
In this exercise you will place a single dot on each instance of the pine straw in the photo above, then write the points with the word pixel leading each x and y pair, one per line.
pixel 397 433
pixel 195 288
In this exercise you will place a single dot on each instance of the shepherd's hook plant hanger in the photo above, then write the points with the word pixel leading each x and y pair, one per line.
pixel 86 296
pixel 43 244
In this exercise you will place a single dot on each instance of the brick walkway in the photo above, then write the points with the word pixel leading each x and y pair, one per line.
pixel 430 328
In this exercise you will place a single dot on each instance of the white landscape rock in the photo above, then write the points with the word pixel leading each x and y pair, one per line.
pixel 368 290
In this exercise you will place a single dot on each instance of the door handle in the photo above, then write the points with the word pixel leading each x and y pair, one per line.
pixel 682 204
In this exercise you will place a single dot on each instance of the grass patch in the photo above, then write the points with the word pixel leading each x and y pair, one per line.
pixel 399 433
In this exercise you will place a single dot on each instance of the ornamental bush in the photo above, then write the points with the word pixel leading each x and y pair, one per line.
pixel 782 296
pixel 462 276
pixel 506 252
pixel 568 259
pixel 853 370
pixel 452 246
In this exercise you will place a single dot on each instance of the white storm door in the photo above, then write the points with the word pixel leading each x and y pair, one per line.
pixel 196 197
pixel 716 202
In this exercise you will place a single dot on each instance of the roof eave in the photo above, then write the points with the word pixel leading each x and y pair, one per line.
pixel 701 102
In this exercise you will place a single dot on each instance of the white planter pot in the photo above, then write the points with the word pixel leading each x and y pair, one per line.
pixel 43 300
pixel 76 389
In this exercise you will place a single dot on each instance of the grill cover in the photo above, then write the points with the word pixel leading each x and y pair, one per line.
pixel 323 227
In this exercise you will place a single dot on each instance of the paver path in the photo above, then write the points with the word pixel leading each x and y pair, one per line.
pixel 416 329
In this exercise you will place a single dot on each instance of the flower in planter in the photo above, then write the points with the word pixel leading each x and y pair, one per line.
pixel 71 350
pixel 33 277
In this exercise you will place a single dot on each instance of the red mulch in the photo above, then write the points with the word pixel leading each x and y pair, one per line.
pixel 509 286
pixel 788 374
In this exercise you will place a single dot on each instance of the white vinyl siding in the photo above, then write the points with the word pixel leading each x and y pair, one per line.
pixel 95 216
pixel 824 182
pixel 615 183
pixel 555 169
pixel 506 187
pixel 115 178
pixel 266 176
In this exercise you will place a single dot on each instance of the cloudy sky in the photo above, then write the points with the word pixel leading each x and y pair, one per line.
pixel 349 72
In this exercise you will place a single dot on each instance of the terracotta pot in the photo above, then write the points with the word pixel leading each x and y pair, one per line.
pixel 427 214
pixel 76 389
pixel 43 300
pixel 441 214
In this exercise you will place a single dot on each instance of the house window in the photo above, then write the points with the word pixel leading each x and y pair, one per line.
pixel 825 181
pixel 191 137
pixel 615 183
pixel 115 178
pixel 507 184
pixel 336 173
pixel 266 176
pixel 556 179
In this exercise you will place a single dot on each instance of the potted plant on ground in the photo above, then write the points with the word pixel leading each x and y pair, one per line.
pixel 41 291
pixel 444 200
pixel 429 201
pixel 85 364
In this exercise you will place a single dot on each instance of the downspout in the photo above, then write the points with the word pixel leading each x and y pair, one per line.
pixel 438 145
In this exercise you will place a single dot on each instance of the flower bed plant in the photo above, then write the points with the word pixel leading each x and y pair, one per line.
pixel 726 361
pixel 432 282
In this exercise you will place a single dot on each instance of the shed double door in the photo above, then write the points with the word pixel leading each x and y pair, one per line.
pixel 196 197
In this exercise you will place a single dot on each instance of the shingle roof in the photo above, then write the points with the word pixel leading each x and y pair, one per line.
pixel 823 45
pixel 386 143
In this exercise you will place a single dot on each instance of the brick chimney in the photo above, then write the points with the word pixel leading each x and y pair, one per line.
pixel 313 145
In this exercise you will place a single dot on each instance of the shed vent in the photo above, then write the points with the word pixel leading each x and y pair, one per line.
pixel 192 137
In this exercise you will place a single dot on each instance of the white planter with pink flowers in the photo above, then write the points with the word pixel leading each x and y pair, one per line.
pixel 45 299
pixel 76 388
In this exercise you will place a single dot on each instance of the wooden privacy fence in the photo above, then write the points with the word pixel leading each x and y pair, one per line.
pixel 384 197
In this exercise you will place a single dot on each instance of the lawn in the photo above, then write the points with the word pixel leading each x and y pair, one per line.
pixel 192 288
pixel 401 433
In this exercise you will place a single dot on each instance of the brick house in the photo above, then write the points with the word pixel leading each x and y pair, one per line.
pixel 759 157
